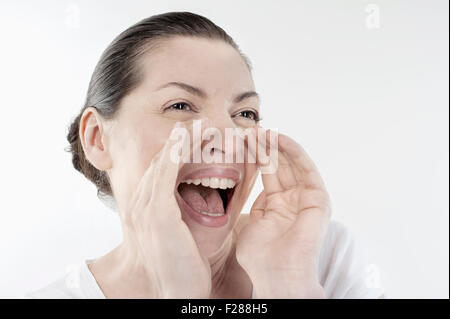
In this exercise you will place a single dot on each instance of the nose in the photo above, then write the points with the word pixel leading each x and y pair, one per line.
pixel 217 139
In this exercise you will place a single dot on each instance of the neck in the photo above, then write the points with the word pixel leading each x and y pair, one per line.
pixel 229 279
pixel 120 278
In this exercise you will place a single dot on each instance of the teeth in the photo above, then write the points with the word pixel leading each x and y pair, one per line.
pixel 205 182
pixel 211 214
pixel 213 182
pixel 223 183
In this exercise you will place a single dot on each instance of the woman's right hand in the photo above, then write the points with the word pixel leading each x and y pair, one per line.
pixel 162 240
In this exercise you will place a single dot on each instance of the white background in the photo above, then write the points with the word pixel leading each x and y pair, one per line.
pixel 370 105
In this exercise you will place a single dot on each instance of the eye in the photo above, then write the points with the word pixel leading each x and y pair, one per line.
pixel 248 114
pixel 179 106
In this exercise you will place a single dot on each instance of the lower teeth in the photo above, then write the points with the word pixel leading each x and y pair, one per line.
pixel 211 214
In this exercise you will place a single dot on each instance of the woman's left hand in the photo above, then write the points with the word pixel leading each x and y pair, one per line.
pixel 280 245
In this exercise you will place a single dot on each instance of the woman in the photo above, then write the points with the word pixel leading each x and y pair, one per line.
pixel 183 232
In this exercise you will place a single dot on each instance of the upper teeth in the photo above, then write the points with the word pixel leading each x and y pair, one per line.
pixel 213 182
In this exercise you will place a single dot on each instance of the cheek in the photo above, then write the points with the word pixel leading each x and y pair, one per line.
pixel 132 155
pixel 147 146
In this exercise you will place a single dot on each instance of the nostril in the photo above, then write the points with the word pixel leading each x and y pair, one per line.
pixel 215 149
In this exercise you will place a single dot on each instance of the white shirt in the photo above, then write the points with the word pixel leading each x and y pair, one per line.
pixel 343 273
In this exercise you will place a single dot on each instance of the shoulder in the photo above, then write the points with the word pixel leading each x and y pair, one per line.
pixel 77 283
pixel 344 270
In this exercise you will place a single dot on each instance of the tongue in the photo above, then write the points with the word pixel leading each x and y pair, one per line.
pixel 202 199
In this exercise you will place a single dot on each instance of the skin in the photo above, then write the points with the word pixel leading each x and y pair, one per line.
pixel 273 251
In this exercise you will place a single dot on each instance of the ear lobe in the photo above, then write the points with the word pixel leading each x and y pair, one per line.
pixel 92 136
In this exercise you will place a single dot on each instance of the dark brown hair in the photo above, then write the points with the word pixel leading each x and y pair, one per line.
pixel 116 74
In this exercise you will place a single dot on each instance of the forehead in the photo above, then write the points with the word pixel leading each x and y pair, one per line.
pixel 212 65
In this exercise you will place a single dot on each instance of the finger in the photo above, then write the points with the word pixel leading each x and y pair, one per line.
pixel 146 183
pixel 304 168
pixel 154 180
pixel 142 194
pixel 257 210
pixel 250 141
pixel 285 171
pixel 269 176
pixel 166 171
pixel 144 189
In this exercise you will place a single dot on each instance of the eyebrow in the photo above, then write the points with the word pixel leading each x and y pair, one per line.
pixel 200 93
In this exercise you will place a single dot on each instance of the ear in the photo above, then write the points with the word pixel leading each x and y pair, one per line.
pixel 93 138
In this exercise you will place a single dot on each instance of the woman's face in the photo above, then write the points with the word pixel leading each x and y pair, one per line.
pixel 148 114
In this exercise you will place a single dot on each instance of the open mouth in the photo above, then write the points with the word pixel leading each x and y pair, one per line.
pixel 207 196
